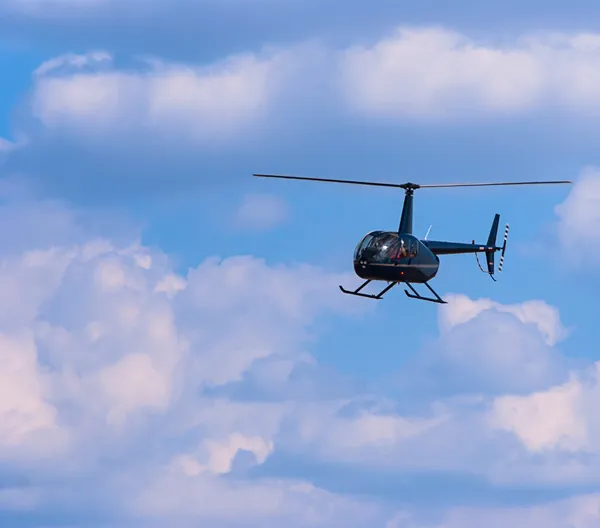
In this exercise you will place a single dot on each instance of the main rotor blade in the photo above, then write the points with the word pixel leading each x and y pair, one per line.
pixel 375 184
pixel 409 185
pixel 493 184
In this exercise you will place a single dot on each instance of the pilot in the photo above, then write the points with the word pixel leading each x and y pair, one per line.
pixel 403 252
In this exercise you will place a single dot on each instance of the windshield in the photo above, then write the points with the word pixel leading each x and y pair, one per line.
pixel 385 246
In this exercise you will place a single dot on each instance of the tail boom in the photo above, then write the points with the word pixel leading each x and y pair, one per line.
pixel 457 248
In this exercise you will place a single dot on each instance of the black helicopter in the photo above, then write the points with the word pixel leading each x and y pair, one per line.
pixel 400 257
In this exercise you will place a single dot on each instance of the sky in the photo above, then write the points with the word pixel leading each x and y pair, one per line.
pixel 174 347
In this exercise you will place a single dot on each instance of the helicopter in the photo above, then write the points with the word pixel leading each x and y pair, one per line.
pixel 400 257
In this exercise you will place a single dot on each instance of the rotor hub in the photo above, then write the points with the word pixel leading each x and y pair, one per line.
pixel 409 186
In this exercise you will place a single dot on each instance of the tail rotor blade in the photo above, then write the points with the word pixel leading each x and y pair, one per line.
pixel 503 249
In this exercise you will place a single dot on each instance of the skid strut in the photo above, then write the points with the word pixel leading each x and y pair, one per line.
pixel 415 294
pixel 369 296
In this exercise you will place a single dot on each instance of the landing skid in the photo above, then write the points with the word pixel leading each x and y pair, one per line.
pixel 414 295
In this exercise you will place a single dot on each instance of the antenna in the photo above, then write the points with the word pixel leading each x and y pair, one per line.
pixel 427 234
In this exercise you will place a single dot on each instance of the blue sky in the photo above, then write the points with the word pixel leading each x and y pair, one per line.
pixel 175 348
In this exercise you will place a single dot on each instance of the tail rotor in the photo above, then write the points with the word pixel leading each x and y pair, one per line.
pixel 503 248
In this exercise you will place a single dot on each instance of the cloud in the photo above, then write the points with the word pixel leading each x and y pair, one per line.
pixel 205 105
pixel 485 347
pixel 29 427
pixel 271 503
pixel 105 346
pixel 46 8
pixel 506 406
pixel 108 350
pixel 221 455
pixel 6 146
pixel 561 418
pixel 544 420
pixel 434 73
pixel 72 61
pixel 461 310
pixel 157 124
pixel 556 431
pixel 178 393
pixel 580 512
pixel 260 211
pixel 134 319
pixel 578 224
pixel 417 73
pixel 151 125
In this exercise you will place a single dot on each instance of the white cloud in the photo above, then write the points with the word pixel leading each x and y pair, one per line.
pixel 177 102
pixel 260 211
pixel 109 352
pixel 133 383
pixel 28 422
pixel 377 438
pixel 416 73
pixel 45 8
pixel 544 420
pixel 271 503
pixel 542 434
pixel 109 355
pixel 562 418
pixel 579 218
pixel 16 499
pixel 485 347
pixel 170 285
pixel 6 146
pixel 123 339
pixel 220 455
pixel 421 73
pixel 556 433
pixel 578 512
pixel 184 114
pixel 425 73
pixel 121 347
pixel 460 310
pixel 105 347
pixel 71 61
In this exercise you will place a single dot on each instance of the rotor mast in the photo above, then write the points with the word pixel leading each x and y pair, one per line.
pixel 406 218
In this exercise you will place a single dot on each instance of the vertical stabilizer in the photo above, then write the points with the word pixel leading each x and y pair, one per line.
pixel 491 244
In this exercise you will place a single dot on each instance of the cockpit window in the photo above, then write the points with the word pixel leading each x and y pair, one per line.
pixel 408 248
pixel 364 244
pixel 386 247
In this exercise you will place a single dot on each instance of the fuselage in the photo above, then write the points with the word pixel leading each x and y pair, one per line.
pixel 390 256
